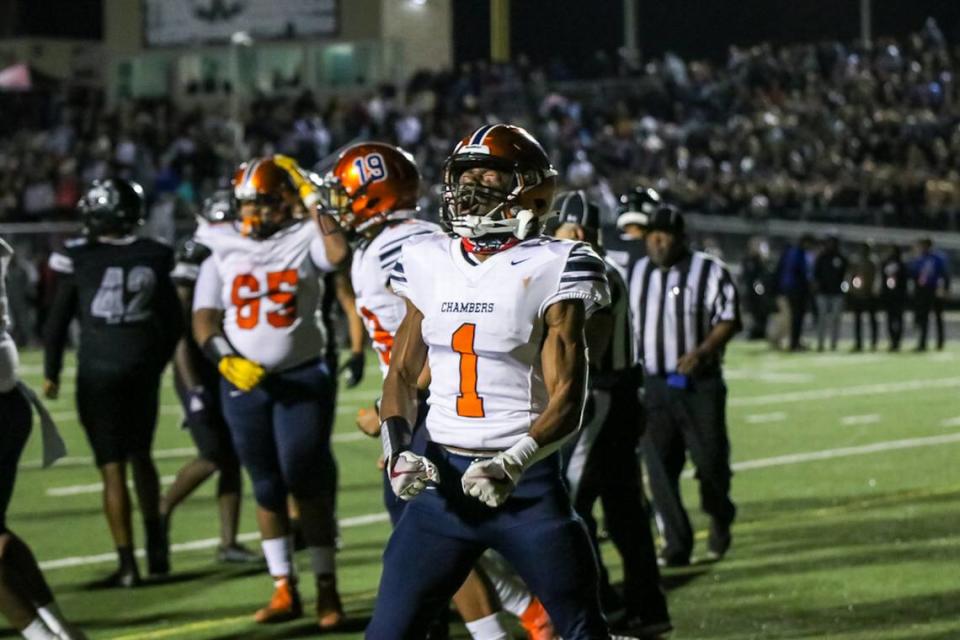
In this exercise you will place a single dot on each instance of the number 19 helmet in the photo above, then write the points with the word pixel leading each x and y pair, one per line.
pixel 111 207
pixel 488 218
pixel 370 182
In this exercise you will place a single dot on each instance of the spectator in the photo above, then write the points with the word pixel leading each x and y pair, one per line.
pixel 793 285
pixel 829 272
pixel 931 281
pixel 863 296
pixel 893 294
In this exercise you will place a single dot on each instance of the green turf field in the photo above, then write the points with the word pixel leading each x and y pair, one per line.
pixel 847 481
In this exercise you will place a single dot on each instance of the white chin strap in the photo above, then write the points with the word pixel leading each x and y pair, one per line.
pixel 522 225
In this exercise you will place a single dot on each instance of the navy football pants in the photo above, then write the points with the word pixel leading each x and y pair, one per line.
pixel 281 431
pixel 442 532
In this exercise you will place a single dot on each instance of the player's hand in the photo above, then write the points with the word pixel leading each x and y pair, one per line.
pixel 51 389
pixel 242 373
pixel 410 473
pixel 368 421
pixel 492 480
pixel 354 368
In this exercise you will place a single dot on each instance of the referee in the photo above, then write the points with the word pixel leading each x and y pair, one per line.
pixel 685 310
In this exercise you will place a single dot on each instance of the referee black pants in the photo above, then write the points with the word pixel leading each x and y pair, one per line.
pixel 602 464
pixel 678 421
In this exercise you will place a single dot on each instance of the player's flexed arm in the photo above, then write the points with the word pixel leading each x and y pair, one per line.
pixel 564 363
pixel 409 473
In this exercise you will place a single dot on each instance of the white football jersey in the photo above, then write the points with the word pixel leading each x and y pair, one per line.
pixel 269 290
pixel 483 326
pixel 381 309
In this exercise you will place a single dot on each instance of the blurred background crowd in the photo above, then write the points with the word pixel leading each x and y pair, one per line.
pixel 814 132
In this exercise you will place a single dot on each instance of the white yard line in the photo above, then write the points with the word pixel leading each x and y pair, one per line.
pixel 951 422
pixel 165 454
pixel 763 418
pixel 373 518
pixel 870 418
pixel 842 452
pixel 773 377
pixel 844 392
pixel 196 545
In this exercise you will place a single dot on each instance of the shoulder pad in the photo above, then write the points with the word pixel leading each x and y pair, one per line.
pixel 192 252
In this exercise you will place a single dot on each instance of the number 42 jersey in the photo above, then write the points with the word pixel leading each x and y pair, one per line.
pixel 483 324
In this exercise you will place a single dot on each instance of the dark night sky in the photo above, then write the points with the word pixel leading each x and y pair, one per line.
pixel 574 29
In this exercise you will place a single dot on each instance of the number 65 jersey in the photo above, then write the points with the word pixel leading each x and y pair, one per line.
pixel 483 323
pixel 269 291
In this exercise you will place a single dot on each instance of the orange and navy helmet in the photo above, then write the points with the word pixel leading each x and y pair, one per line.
pixel 490 218
pixel 369 183
pixel 263 182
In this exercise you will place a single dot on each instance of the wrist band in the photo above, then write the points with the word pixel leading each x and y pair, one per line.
pixel 216 348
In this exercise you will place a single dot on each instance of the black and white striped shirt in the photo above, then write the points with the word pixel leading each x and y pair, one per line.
pixel 674 309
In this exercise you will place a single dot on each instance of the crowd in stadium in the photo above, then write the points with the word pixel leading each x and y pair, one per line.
pixel 770 131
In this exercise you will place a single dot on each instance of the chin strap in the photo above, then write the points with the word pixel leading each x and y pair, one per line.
pixel 485 250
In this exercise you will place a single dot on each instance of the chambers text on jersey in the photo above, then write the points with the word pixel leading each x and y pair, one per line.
pixel 484 323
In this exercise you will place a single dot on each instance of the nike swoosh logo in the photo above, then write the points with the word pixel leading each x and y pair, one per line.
pixel 397 474
pixel 236 393
pixel 516 262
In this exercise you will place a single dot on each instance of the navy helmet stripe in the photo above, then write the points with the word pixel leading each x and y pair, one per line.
pixel 481 134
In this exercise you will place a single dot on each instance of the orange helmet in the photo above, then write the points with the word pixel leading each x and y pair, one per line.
pixel 263 182
pixel 370 181
pixel 492 218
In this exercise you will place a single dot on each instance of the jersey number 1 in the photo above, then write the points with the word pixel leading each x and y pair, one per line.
pixel 469 404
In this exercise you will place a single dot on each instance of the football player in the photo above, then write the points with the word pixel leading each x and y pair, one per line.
pixel 198 384
pixel 625 247
pixel 255 308
pixel 602 462
pixel 497 311
pixel 118 286
pixel 372 191
pixel 25 598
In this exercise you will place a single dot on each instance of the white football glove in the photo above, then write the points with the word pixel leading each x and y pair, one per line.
pixel 410 473
pixel 492 480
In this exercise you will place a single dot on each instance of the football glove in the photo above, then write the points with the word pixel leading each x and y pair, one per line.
pixel 242 373
pixel 492 480
pixel 354 368
pixel 409 474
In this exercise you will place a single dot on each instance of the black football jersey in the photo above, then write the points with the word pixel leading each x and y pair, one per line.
pixel 123 296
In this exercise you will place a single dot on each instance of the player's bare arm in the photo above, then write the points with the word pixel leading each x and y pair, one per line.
pixel 564 363
pixel 348 302
pixel 409 357
pixel 334 241
pixel 185 365
pixel 409 473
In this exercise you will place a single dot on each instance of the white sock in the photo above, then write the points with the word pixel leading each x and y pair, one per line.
pixel 37 630
pixel 322 560
pixel 511 591
pixel 53 618
pixel 277 553
pixel 488 628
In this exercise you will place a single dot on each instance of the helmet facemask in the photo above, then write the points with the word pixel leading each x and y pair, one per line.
pixel 269 214
pixel 490 218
